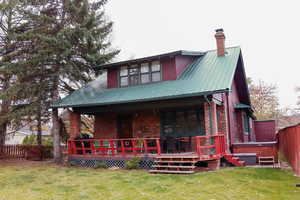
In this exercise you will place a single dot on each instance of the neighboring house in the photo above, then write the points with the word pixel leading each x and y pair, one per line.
pixel 192 103
pixel 18 136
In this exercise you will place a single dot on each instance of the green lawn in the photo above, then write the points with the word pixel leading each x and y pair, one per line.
pixel 50 182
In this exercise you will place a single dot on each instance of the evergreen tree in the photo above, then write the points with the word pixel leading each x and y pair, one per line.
pixel 59 44
pixel 9 20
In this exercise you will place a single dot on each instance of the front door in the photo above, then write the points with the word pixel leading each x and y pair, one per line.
pixel 125 126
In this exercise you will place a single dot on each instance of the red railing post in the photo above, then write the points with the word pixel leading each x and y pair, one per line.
pixel 197 138
pixel 123 148
pixel 111 144
pixel 145 146
pixel 158 147
pixel 133 142
pixel 83 147
pixel 217 144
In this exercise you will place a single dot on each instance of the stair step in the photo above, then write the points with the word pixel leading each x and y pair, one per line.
pixel 266 157
pixel 175 161
pixel 173 166
pixel 171 172
pixel 266 161
pixel 177 156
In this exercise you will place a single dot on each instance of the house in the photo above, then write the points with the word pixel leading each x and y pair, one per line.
pixel 180 110
pixel 17 137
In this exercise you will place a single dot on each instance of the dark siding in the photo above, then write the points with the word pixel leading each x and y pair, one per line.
pixel 112 78
pixel 182 62
pixel 233 115
pixel 168 69
pixel 265 130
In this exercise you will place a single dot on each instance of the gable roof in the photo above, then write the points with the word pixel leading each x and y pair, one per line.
pixel 208 74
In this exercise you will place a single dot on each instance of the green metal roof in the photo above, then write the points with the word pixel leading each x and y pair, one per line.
pixel 174 53
pixel 208 74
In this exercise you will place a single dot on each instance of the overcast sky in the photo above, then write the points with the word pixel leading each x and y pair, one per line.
pixel 267 31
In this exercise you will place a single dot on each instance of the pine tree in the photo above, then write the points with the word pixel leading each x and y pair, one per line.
pixel 62 43
pixel 9 20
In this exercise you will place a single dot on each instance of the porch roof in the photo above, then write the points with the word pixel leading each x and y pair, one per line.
pixel 209 74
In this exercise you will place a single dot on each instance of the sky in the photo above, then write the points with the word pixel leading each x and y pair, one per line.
pixel 267 31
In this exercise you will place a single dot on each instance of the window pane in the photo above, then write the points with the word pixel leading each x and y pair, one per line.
pixel 124 71
pixel 124 81
pixel 155 76
pixel 133 70
pixel 134 79
pixel 155 66
pixel 145 78
pixel 144 68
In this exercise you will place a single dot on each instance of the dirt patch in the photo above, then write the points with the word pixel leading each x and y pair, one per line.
pixel 23 162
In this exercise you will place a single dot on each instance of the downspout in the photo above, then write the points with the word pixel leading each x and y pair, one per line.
pixel 228 120
pixel 210 114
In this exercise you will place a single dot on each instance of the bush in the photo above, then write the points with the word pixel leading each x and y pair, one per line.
pixel 134 163
pixel 72 163
pixel 100 165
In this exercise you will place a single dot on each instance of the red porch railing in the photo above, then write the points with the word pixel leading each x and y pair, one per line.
pixel 209 146
pixel 114 147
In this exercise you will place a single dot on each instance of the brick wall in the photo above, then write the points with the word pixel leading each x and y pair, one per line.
pixel 75 123
pixel 146 124
pixel 208 113
pixel 105 126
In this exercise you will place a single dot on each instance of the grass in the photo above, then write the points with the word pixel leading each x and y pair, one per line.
pixel 50 182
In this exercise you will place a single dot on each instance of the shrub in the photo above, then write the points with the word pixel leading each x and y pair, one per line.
pixel 100 165
pixel 72 163
pixel 134 163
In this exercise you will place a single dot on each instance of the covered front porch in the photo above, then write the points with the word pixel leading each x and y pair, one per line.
pixel 194 127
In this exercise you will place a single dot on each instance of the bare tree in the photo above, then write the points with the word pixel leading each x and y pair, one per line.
pixel 264 99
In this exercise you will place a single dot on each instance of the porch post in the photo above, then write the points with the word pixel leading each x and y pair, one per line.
pixel 210 118
pixel 75 123
pixel 214 119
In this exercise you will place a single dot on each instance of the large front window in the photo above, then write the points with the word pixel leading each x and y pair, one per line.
pixel 181 123
pixel 140 74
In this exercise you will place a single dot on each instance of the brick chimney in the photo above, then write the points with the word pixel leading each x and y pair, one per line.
pixel 220 39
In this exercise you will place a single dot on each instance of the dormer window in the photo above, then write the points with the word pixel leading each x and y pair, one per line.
pixel 140 74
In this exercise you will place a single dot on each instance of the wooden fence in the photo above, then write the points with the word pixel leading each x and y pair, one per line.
pixel 24 152
pixel 289 146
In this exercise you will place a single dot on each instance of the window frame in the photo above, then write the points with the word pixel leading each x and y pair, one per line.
pixel 170 118
pixel 139 74
pixel 246 123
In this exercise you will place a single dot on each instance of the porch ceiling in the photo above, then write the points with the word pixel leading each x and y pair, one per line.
pixel 132 107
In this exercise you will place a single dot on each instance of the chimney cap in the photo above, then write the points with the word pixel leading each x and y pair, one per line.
pixel 219 30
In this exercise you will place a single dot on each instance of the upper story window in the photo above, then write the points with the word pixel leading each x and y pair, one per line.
pixel 140 74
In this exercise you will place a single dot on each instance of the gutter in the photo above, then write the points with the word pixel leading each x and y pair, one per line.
pixel 58 105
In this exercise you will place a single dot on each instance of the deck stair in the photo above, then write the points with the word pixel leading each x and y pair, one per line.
pixel 266 160
pixel 234 160
pixel 175 164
